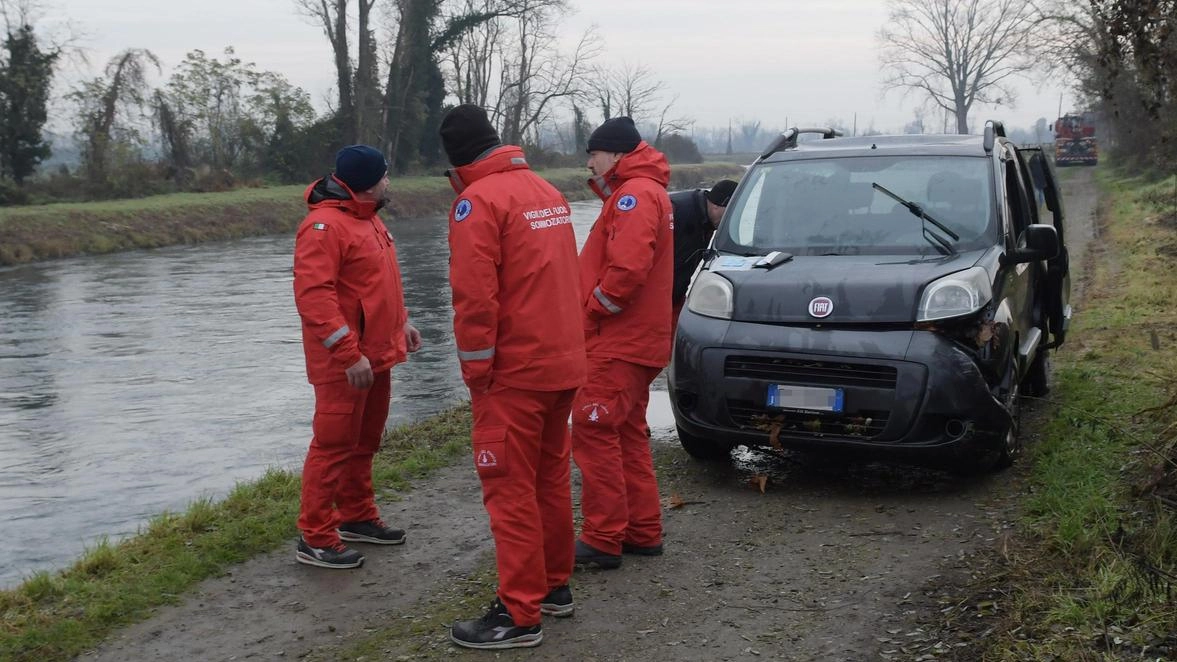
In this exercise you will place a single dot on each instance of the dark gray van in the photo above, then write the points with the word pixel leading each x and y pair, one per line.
pixel 888 296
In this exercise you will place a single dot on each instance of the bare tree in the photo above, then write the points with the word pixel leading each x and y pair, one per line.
pixel 331 15
pixel 668 124
pixel 542 79
pixel 750 135
pixel 472 55
pixel 957 52
pixel 631 90
pixel 498 54
pixel 366 85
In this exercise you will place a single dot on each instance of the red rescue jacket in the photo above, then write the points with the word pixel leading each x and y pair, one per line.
pixel 517 318
pixel 627 263
pixel 347 285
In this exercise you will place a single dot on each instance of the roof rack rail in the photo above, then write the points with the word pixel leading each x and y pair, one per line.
pixel 788 139
pixel 993 130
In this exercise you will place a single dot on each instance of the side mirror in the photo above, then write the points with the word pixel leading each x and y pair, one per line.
pixel 1038 242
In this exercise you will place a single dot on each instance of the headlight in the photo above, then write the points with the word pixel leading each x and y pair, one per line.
pixel 711 295
pixel 955 295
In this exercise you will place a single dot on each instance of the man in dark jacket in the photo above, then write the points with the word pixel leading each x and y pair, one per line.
pixel 696 215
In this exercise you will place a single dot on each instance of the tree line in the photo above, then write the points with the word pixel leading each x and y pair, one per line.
pixel 217 121
pixel 1119 57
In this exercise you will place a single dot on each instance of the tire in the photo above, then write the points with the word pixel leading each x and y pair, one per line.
pixel 1005 445
pixel 1011 447
pixel 702 449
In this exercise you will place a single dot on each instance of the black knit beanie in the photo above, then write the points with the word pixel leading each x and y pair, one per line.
pixel 617 135
pixel 721 193
pixel 466 133
pixel 360 167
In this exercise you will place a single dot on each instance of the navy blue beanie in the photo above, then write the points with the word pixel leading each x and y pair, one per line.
pixel 360 167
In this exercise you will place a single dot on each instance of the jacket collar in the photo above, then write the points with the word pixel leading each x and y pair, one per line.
pixel 329 192
pixel 643 161
pixel 496 159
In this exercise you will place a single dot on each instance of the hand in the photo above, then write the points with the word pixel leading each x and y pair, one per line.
pixel 480 385
pixel 359 375
pixel 412 337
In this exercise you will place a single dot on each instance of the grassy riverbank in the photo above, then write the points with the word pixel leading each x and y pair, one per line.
pixel 55 616
pixel 1096 575
pixel 28 234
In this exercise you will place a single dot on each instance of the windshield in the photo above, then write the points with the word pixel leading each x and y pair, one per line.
pixel 831 206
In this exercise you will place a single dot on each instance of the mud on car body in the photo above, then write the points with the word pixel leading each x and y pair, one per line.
pixel 888 296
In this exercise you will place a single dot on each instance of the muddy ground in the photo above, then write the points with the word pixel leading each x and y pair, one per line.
pixel 830 562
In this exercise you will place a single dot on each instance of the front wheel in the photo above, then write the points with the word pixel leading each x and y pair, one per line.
pixel 1011 447
pixel 704 449
pixel 1003 446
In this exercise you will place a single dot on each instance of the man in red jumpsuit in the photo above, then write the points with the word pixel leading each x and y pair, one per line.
pixel 626 276
pixel 347 287
pixel 517 325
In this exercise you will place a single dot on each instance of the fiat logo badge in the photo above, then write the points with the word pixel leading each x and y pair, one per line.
pixel 821 307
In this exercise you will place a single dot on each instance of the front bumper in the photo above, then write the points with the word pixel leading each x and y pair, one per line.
pixel 907 392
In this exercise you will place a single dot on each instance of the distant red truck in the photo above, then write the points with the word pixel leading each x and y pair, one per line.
pixel 1074 140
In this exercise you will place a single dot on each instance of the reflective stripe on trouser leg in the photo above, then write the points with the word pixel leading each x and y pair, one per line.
pixel 338 415
pixel 641 484
pixel 354 498
pixel 598 412
pixel 509 492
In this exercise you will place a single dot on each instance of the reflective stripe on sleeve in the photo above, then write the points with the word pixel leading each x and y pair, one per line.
pixel 476 355
pixel 609 305
pixel 337 336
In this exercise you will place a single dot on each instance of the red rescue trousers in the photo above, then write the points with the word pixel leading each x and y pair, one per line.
pixel 521 452
pixel 610 443
pixel 337 474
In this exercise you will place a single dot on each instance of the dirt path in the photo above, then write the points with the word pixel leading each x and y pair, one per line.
pixel 829 563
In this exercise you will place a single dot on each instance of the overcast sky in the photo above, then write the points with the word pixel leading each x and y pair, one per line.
pixel 734 59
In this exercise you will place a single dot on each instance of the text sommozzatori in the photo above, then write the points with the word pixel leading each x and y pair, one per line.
pixel 548 217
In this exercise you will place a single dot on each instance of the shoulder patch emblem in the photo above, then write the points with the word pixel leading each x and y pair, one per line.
pixel 319 226
pixel 462 210
pixel 626 202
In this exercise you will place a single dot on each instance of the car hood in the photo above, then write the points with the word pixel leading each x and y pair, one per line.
pixel 878 289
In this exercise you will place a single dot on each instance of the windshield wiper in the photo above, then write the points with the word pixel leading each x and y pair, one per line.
pixel 918 211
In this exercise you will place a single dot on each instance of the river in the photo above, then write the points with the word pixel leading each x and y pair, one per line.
pixel 133 383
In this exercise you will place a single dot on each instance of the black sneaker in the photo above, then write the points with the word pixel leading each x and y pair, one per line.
pixel 587 555
pixel 639 550
pixel 495 630
pixel 373 531
pixel 335 556
pixel 558 602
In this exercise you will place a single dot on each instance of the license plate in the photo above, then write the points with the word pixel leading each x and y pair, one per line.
pixel 784 396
